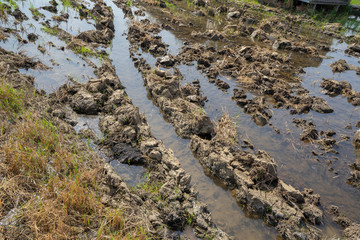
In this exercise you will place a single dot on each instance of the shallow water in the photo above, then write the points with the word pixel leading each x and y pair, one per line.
pixel 67 63
pixel 227 214
pixel 296 165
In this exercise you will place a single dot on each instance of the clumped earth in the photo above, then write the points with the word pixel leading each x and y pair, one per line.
pixel 253 178
pixel 255 183
pixel 55 186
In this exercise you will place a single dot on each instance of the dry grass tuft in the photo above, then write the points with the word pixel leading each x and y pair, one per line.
pixel 225 130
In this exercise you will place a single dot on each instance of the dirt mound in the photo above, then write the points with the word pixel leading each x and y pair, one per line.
pixel 334 88
pixel 128 134
pixel 255 183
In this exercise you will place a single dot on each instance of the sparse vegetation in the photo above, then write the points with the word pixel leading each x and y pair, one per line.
pixel 35 12
pixel 51 31
pixel 12 4
pixel 4 8
pixel 83 51
pixel 67 3
pixel 10 99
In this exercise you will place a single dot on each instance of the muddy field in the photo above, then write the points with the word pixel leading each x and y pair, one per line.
pixel 220 119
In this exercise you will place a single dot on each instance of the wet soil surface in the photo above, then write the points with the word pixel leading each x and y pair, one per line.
pixel 257 109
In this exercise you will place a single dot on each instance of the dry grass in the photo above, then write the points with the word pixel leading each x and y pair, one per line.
pixel 225 130
pixel 49 184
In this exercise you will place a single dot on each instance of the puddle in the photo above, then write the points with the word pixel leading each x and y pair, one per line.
pixel 88 122
pixel 64 63
pixel 132 175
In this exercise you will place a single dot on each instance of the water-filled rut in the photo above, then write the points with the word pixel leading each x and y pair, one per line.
pixel 227 214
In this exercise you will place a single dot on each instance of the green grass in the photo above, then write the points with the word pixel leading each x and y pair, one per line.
pixel 67 3
pixel 35 12
pixel 4 8
pixel 10 99
pixel 129 3
pixel 355 2
pixel 51 31
pixel 12 4
pixel 83 51
pixel 170 5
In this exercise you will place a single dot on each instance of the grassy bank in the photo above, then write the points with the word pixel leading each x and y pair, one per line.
pixel 50 181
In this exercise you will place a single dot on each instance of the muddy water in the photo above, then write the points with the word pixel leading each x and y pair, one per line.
pixel 326 174
pixel 227 214
pixel 64 63
pixel 296 164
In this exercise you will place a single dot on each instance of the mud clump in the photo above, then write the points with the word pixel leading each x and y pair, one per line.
pixel 255 183
pixel 333 88
pixel 324 139
pixel 339 218
pixel 102 37
pixel 257 70
pixel 353 49
pixel 18 15
pixel 129 140
pixel 352 232
pixel 221 84
pixel 186 116
pixel 355 173
pixel 341 66
pixel 32 37
pixel 141 34
pixel 356 139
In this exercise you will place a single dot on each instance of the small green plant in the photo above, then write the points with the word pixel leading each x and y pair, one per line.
pixel 35 12
pixel 4 8
pixel 51 31
pixel 268 210
pixel 355 2
pixel 190 4
pixel 67 4
pixel 129 3
pixel 10 99
pixel 13 4
pixel 190 218
pixel 83 51
pixel 170 5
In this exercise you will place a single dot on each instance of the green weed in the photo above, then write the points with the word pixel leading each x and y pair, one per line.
pixel 35 12
pixel 51 31
pixel 83 51
pixel 4 8
pixel 12 4
pixel 11 100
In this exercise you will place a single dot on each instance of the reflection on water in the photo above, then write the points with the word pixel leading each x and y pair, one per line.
pixel 296 163
pixel 64 63
pixel 226 213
